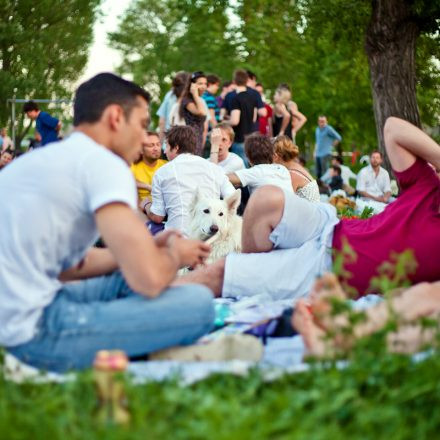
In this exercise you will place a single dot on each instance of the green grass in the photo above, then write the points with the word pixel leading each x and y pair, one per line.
pixel 376 397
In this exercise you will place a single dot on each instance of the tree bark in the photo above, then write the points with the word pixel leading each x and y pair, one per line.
pixel 390 46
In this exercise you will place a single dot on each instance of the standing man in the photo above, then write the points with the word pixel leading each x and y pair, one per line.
pixel 76 191
pixel 46 125
pixel 373 182
pixel 149 163
pixel 244 111
pixel 326 138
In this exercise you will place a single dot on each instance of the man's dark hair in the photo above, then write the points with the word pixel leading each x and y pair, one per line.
pixel 212 79
pixel 226 84
pixel 259 85
pixel 240 77
pixel 259 149
pixel 339 159
pixel 251 75
pixel 184 137
pixel 29 106
pixel 93 96
pixel 337 169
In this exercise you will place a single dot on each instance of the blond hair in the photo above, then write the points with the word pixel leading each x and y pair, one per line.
pixel 225 126
pixel 282 95
pixel 285 149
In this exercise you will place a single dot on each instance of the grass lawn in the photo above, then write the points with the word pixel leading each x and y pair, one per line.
pixel 377 396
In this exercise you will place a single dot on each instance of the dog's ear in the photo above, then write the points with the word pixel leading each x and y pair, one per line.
pixel 233 201
pixel 197 196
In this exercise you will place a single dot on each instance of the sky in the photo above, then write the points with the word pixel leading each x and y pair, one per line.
pixel 101 57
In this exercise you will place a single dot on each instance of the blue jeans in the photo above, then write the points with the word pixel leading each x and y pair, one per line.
pixel 238 148
pixel 103 313
pixel 322 165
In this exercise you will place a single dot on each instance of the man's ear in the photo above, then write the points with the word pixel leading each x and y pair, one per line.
pixel 114 115
pixel 233 201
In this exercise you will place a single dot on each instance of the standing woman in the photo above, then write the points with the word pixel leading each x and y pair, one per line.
pixel 287 119
pixel 193 108
pixel 286 153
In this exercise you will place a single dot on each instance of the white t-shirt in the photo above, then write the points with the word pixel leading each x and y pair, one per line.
pixel 175 185
pixel 232 163
pixel 265 174
pixel 48 199
pixel 372 184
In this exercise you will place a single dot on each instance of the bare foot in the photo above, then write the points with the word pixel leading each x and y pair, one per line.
pixel 313 336
pixel 327 286
pixel 210 276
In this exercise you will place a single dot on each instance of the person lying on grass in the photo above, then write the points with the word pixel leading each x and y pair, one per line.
pixel 327 334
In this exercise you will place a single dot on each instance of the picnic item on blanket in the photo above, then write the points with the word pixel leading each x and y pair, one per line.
pixel 226 347
pixel 112 403
pixel 340 202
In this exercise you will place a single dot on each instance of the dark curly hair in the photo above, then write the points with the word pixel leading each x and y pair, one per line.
pixel 259 149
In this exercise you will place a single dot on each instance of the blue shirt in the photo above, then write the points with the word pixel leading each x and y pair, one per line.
pixel 165 108
pixel 211 102
pixel 324 140
pixel 46 125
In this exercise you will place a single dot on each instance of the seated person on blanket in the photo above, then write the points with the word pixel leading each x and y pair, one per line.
pixel 323 332
pixel 260 152
pixel 75 191
pixel 176 183
pixel 287 241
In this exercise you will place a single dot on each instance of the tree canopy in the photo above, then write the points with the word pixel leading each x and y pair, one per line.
pixel 316 46
pixel 43 49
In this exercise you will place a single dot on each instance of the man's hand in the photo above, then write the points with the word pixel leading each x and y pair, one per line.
pixel 161 239
pixel 216 137
pixel 189 252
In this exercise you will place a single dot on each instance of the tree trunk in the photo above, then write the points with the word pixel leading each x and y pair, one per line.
pixel 390 46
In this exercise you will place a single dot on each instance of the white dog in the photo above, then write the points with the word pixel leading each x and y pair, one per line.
pixel 216 221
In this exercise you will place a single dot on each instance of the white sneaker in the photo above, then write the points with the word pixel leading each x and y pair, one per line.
pixel 225 348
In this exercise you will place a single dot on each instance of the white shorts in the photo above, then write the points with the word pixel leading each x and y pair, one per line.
pixel 302 251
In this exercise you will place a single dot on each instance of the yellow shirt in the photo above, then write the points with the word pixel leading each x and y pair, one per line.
pixel 144 173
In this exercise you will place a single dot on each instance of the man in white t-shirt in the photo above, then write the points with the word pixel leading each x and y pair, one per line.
pixel 373 184
pixel 222 138
pixel 61 300
pixel 259 150
pixel 176 183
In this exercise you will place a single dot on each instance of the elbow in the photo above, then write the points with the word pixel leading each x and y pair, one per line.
pixel 149 285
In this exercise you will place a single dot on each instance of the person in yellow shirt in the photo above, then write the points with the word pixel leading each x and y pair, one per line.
pixel 148 164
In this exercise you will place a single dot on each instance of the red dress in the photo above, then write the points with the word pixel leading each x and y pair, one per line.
pixel 411 222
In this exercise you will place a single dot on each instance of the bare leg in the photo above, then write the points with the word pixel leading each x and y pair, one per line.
pixel 404 142
pixel 261 216
pixel 210 276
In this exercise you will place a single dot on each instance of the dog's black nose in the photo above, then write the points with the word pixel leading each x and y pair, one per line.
pixel 214 229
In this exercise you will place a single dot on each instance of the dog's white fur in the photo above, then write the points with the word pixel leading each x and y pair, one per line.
pixel 208 214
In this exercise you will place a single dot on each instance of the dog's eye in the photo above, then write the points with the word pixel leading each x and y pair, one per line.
pixel 206 211
pixel 220 214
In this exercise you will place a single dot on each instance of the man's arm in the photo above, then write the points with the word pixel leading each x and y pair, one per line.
pixel 97 262
pixel 235 117
pixel 334 134
pixel 161 130
pixel 235 180
pixel 147 268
